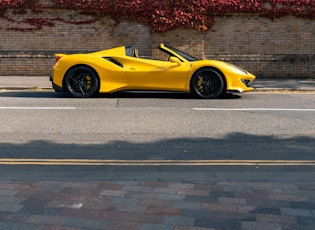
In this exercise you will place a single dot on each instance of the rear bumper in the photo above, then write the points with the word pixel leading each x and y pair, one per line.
pixel 55 87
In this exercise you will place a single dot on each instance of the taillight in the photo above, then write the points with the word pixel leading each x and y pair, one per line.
pixel 58 58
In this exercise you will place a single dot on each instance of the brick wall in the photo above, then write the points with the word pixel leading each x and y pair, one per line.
pixel 282 48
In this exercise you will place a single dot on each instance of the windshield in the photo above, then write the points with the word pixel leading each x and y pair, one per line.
pixel 184 55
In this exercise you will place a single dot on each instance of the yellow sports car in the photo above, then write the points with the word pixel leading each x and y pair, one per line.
pixel 117 69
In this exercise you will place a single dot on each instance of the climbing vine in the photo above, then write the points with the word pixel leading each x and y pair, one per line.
pixel 160 15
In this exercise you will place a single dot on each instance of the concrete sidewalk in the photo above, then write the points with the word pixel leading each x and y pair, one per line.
pixel 25 82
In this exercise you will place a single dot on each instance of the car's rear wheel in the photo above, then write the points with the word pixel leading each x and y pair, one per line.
pixel 82 81
pixel 207 83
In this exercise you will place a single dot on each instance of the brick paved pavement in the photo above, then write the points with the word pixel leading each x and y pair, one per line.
pixel 157 205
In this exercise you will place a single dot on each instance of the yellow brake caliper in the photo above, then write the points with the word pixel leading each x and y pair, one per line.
pixel 199 84
pixel 88 82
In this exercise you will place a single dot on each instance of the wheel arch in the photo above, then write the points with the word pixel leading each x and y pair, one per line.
pixel 80 65
pixel 209 67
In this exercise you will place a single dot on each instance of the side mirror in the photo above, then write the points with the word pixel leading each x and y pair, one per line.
pixel 175 60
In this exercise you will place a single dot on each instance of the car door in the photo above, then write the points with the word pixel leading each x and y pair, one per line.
pixel 148 74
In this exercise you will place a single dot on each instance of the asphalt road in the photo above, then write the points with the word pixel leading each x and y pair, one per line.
pixel 153 132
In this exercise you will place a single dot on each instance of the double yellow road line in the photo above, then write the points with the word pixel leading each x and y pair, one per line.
pixel 98 162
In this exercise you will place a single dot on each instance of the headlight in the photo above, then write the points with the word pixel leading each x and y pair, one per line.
pixel 237 69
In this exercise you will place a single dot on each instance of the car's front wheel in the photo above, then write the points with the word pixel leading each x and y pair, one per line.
pixel 207 83
pixel 81 81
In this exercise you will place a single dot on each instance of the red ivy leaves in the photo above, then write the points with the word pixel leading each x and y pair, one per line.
pixel 163 15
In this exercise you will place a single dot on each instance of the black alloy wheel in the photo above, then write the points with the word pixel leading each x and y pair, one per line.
pixel 208 83
pixel 82 81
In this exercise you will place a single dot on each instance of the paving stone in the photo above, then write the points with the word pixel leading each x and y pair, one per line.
pixel 8 192
pixel 309 221
pixel 36 201
pixel 219 207
pixel 147 226
pixel 171 197
pixel 299 192
pixel 258 184
pixel 40 210
pixel 233 216
pixel 154 184
pixel 13 217
pixel 142 195
pixel 228 200
pixel 267 210
pixel 186 205
pixel 46 219
pixel 163 211
pixel 302 205
pixel 289 198
pixel 196 213
pixel 246 208
pixel 267 203
pixel 110 215
pixel 181 185
pixel 11 207
pixel 124 201
pixel 11 200
pixel 143 218
pixel 191 228
pixel 17 186
pixel 201 199
pixel 194 192
pixel 16 226
pixel 217 194
pixel 266 191
pixel 109 186
pixel 87 213
pixel 276 219
pixel 285 186
pixel 53 184
pixel 260 226
pixel 209 186
pixel 137 189
pixel 155 203
pixel 179 220
pixel 296 212
pixel 237 188
pixel 86 223
pixel 128 183
pixel 165 190
pixel 113 193
pixel 131 208
pixel 120 225
pixel 218 224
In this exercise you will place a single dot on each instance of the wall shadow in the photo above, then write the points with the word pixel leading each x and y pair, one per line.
pixel 235 146
pixel 231 146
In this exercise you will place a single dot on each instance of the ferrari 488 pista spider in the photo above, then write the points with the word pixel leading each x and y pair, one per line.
pixel 118 69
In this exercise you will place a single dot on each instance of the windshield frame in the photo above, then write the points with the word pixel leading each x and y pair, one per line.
pixel 180 53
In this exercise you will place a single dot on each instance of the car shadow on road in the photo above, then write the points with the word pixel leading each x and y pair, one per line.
pixel 123 94
pixel 161 94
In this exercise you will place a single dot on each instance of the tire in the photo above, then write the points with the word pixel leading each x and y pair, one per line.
pixel 207 83
pixel 81 81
